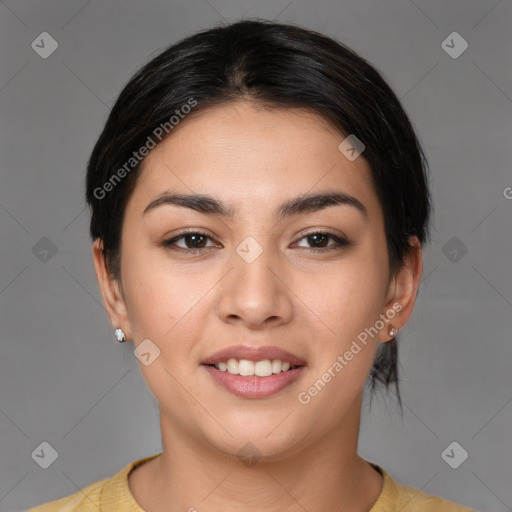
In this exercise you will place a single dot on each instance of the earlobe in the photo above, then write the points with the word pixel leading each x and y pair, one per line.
pixel 110 291
pixel 392 331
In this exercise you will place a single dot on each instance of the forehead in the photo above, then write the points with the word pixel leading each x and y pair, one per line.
pixel 241 152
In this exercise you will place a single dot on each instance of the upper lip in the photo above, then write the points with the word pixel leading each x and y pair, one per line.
pixel 252 353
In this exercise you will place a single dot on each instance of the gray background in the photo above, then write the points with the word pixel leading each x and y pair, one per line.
pixel 64 379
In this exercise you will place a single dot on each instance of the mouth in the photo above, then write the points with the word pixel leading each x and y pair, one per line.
pixel 254 372
pixel 248 368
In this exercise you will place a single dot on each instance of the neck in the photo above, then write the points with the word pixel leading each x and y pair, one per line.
pixel 191 475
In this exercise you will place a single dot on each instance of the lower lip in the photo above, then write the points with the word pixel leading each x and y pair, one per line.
pixel 252 386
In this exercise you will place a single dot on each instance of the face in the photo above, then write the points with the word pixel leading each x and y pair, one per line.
pixel 312 281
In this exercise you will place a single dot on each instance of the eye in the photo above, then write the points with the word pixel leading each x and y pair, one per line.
pixel 196 239
pixel 320 237
pixel 195 242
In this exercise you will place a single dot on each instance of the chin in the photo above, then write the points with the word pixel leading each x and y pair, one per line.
pixel 257 444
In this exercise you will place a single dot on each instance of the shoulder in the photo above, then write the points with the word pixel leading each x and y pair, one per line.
pixel 108 495
pixel 88 499
pixel 395 496
pixel 411 499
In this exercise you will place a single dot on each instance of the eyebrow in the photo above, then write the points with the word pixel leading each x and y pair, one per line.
pixel 304 203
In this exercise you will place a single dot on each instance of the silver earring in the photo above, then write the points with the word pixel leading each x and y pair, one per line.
pixel 120 335
pixel 392 332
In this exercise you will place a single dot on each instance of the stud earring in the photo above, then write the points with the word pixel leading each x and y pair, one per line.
pixel 120 335
pixel 392 331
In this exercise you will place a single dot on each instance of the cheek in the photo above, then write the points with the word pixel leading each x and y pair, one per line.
pixel 170 309
pixel 167 303
pixel 346 306
pixel 349 296
pixel 154 298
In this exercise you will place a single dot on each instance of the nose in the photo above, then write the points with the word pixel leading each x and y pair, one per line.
pixel 255 292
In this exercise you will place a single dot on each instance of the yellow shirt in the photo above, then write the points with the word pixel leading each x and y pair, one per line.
pixel 113 495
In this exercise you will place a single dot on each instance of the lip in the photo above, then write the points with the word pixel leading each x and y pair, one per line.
pixel 253 354
pixel 252 386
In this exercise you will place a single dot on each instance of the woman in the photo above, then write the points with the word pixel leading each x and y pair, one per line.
pixel 259 203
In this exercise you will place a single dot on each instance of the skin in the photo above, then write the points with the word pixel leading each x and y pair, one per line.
pixel 311 304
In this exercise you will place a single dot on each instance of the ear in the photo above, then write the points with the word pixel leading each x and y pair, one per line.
pixel 403 289
pixel 111 291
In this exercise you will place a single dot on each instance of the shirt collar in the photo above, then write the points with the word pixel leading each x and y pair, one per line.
pixel 116 494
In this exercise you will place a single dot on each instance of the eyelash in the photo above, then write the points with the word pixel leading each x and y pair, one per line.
pixel 340 242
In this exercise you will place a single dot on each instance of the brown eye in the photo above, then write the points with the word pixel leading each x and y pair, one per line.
pixel 195 241
pixel 319 240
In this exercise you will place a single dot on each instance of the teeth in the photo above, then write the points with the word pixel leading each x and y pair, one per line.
pixel 247 368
